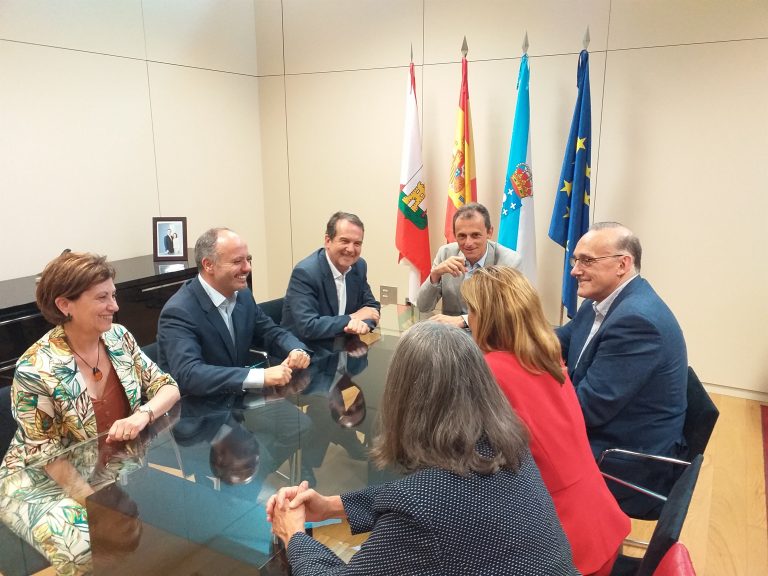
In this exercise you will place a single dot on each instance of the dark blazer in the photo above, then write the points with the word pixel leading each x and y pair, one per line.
pixel 311 306
pixel 631 380
pixel 195 347
pixel 435 522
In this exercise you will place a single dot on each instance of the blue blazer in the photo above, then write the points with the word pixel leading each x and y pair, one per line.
pixel 631 380
pixel 437 523
pixel 195 347
pixel 311 306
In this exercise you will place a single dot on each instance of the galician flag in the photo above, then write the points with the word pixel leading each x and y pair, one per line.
pixel 570 216
pixel 462 185
pixel 517 225
pixel 412 236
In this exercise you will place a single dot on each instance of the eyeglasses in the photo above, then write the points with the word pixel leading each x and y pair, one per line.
pixel 586 262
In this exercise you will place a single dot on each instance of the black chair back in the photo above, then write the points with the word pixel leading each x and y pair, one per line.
pixel 151 351
pixel 700 417
pixel 668 528
pixel 7 423
pixel 672 517
pixel 273 309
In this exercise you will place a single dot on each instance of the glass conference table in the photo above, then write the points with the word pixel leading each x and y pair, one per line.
pixel 189 496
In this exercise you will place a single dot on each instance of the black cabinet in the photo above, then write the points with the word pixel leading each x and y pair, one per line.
pixel 143 287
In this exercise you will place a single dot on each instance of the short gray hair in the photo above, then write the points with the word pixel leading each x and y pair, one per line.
pixel 626 241
pixel 205 247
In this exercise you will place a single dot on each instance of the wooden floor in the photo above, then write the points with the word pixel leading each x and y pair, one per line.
pixel 725 530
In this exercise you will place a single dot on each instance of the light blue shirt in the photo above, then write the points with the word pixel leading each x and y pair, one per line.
pixel 255 377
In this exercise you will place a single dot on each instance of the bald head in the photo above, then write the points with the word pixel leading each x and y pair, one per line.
pixel 605 257
pixel 223 260
pixel 624 240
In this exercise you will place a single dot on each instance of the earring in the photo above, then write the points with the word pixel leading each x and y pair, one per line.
pixel 68 317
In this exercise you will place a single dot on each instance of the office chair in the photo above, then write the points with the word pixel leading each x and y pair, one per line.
pixel 676 562
pixel 7 423
pixel 151 351
pixel 700 418
pixel 273 309
pixel 668 528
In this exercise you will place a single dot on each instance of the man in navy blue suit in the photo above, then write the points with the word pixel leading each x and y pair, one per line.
pixel 328 294
pixel 207 328
pixel 624 349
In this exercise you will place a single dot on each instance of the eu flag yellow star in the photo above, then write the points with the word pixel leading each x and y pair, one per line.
pixel 588 172
pixel 566 187
pixel 580 144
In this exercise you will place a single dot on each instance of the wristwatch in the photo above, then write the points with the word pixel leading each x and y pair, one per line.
pixel 148 410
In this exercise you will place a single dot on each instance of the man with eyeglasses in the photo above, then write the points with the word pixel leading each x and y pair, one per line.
pixel 625 354
pixel 458 260
pixel 207 328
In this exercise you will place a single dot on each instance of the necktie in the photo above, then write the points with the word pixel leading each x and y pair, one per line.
pixel 226 309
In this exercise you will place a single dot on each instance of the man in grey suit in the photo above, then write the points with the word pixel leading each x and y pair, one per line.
pixel 458 260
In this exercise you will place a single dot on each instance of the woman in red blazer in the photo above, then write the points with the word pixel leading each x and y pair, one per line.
pixel 508 324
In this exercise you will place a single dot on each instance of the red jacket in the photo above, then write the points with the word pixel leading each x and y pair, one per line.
pixel 591 518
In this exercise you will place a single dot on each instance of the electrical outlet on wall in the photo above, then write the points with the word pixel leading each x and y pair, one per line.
pixel 388 295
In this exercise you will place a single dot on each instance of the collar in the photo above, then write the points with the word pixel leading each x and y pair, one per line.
pixel 480 263
pixel 335 271
pixel 603 306
pixel 216 297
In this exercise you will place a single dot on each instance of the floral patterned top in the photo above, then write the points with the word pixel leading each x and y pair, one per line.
pixel 51 402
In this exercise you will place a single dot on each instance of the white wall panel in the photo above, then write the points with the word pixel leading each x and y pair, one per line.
pixel 683 164
pixel 496 28
pixel 662 22
pixel 77 168
pixel 241 36
pixel 277 206
pixel 207 135
pixel 324 35
pixel 111 27
pixel 345 155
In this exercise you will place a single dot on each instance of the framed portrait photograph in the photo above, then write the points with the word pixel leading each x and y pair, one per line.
pixel 169 236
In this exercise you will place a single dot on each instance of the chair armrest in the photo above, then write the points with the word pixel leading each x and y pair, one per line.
pixel 635 487
pixel 641 455
pixel 264 357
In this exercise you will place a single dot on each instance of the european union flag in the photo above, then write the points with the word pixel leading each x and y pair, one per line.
pixel 570 216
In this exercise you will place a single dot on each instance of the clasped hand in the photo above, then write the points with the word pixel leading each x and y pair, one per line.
pixel 290 508
pixel 357 324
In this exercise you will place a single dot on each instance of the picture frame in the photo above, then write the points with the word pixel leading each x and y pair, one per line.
pixel 169 238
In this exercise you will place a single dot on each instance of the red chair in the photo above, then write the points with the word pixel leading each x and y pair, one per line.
pixel 676 562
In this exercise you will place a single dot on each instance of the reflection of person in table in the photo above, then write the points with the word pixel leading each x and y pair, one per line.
pixel 473 501
pixel 335 404
pixel 83 378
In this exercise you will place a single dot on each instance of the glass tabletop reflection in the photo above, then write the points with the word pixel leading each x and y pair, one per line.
pixel 189 495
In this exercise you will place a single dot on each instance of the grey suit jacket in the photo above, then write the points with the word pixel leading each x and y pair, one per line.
pixel 449 288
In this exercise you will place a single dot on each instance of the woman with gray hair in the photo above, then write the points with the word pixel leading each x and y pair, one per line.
pixel 472 501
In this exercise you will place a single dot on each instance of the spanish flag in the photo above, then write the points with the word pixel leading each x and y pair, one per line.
pixel 462 185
